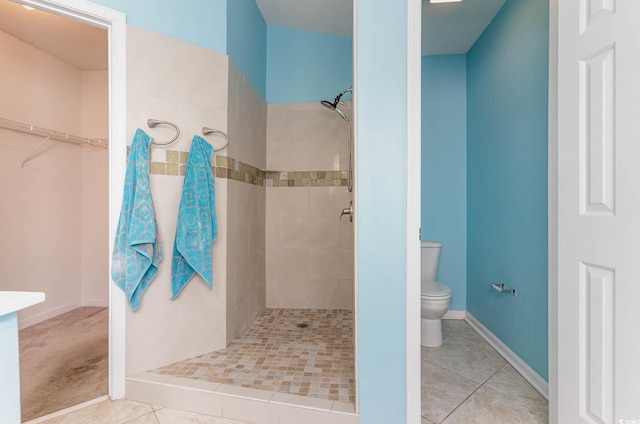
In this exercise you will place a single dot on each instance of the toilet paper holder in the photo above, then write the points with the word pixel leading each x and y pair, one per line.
pixel 500 289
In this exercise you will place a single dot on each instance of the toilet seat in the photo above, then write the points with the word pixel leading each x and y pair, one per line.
pixel 433 290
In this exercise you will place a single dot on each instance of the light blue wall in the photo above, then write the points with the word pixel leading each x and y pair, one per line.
pixel 247 41
pixel 10 374
pixel 237 28
pixel 284 65
pixel 305 66
pixel 200 22
pixel 444 167
pixel 507 178
pixel 381 210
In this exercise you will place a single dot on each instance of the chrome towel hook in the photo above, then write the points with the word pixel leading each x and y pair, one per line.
pixel 207 131
pixel 152 123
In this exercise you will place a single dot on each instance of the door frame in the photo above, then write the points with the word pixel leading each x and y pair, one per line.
pixel 115 23
pixel 414 170
pixel 553 213
pixel 414 34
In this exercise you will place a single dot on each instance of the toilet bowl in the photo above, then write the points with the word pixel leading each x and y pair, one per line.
pixel 435 297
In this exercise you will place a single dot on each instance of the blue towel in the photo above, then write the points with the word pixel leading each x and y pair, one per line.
pixel 197 228
pixel 137 252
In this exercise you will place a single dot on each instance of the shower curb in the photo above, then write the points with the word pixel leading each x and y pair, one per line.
pixel 233 402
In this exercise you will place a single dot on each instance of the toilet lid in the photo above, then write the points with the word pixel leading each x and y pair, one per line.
pixel 433 289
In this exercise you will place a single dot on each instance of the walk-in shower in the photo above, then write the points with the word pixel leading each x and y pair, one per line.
pixel 336 105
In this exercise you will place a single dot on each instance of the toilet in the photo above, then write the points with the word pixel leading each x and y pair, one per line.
pixel 435 297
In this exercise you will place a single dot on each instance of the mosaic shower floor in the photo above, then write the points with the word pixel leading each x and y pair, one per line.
pixel 279 353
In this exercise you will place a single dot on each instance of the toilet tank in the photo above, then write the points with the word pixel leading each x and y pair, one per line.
pixel 429 257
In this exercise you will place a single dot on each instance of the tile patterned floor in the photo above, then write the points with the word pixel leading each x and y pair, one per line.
pixel 464 381
pixel 467 381
pixel 275 354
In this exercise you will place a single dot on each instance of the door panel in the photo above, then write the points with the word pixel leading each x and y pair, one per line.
pixel 598 211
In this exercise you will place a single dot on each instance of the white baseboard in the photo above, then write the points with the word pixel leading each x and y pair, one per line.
pixel 538 383
pixel 43 316
pixel 99 303
pixel 455 315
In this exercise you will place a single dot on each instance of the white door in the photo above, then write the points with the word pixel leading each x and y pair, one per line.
pixel 115 22
pixel 598 211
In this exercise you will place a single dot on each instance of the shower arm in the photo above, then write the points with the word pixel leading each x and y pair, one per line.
pixel 346 90
pixel 342 93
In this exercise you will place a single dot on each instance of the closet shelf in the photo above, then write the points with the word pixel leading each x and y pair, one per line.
pixel 22 127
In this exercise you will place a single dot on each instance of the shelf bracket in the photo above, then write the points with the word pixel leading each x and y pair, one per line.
pixel 36 150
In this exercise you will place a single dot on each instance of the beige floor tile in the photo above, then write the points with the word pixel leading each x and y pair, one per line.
pixel 488 406
pixel 504 396
pixel 145 419
pixel 172 416
pixel 443 391
pixel 105 412
pixel 510 383
pixel 464 352
pixel 458 329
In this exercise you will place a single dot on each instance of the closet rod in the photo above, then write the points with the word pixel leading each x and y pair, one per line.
pixel 21 127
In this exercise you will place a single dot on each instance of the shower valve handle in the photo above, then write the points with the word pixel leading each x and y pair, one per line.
pixel 347 211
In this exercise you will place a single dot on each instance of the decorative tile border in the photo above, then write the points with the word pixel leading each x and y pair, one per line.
pixel 176 163
pixel 306 179
pixel 233 169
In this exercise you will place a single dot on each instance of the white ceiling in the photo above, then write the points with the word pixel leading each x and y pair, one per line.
pixel 446 28
pixel 80 45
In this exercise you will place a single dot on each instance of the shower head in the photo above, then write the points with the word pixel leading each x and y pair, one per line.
pixel 336 102
pixel 334 106
pixel 328 104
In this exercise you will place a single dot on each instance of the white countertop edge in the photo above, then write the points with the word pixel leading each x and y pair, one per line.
pixel 13 301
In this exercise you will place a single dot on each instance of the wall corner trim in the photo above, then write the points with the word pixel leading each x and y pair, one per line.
pixel 516 362
pixel 455 314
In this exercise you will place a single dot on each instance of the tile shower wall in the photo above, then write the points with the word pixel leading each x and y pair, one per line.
pixel 309 260
pixel 176 81
pixel 213 93
pixel 247 128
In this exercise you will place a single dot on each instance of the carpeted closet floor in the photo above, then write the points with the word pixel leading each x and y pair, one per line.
pixel 64 361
